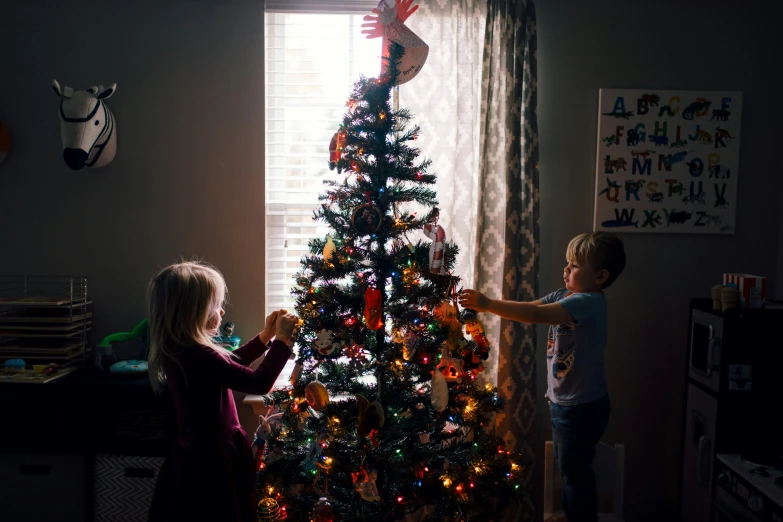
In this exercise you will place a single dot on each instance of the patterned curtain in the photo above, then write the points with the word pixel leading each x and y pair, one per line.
pixel 444 99
pixel 475 100
pixel 507 248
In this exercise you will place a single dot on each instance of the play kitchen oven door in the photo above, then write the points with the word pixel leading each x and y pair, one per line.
pixel 705 349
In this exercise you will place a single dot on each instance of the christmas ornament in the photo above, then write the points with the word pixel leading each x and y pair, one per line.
pixel 373 314
pixel 336 146
pixel 329 249
pixel 268 509
pixel 297 373
pixel 439 391
pixel 476 330
pixel 451 367
pixel 412 345
pixel 437 247
pixel 389 24
pixel 447 317
pixel 367 219
pixel 314 452
pixel 371 418
pixel 316 395
pixel 263 432
pixel 476 366
pixel 364 482
pixel 323 511
pixel 325 342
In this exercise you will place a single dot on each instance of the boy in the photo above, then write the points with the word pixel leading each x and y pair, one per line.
pixel 576 388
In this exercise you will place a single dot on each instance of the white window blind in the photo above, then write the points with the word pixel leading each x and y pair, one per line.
pixel 320 6
pixel 312 62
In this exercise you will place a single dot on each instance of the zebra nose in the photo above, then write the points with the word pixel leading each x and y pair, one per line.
pixel 75 158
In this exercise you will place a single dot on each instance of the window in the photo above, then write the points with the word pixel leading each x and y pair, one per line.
pixel 312 62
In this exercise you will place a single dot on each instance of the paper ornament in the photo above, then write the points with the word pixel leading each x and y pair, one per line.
pixel 87 126
pixel 389 24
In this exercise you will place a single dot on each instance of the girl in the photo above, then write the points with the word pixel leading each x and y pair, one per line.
pixel 210 473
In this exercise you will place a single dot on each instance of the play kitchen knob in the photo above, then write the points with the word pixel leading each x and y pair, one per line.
pixel 755 503
pixel 724 479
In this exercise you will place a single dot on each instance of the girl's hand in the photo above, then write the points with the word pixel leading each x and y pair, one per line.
pixel 269 327
pixel 284 326
pixel 271 319
pixel 474 299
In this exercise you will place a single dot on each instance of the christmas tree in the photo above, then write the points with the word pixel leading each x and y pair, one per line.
pixel 385 415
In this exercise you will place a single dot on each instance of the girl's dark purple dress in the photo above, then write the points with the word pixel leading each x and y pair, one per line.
pixel 209 475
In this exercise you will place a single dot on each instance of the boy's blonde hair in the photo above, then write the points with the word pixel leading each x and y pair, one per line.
pixel 598 251
pixel 181 300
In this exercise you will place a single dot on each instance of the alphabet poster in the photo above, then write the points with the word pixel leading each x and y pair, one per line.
pixel 667 161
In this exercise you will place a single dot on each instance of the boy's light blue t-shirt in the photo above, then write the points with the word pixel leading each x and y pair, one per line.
pixel 575 351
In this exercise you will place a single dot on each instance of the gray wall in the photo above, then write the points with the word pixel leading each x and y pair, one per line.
pixel 584 46
pixel 188 177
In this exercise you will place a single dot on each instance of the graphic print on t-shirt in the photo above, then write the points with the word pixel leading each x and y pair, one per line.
pixel 560 345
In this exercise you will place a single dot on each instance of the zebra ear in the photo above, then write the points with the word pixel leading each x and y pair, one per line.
pixel 107 92
pixel 94 88
pixel 63 92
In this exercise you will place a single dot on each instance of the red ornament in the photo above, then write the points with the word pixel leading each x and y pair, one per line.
pixel 336 146
pixel 323 511
pixel 373 314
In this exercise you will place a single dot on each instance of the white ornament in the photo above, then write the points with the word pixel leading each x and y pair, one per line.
pixel 439 392
pixel 437 247
pixel 329 249
pixel 326 344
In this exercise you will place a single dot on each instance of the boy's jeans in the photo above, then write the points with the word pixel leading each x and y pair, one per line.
pixel 575 432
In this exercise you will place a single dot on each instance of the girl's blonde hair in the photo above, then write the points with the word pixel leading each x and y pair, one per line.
pixel 181 301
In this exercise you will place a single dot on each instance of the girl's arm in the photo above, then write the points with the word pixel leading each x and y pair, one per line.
pixel 231 374
pixel 255 348
pixel 252 350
